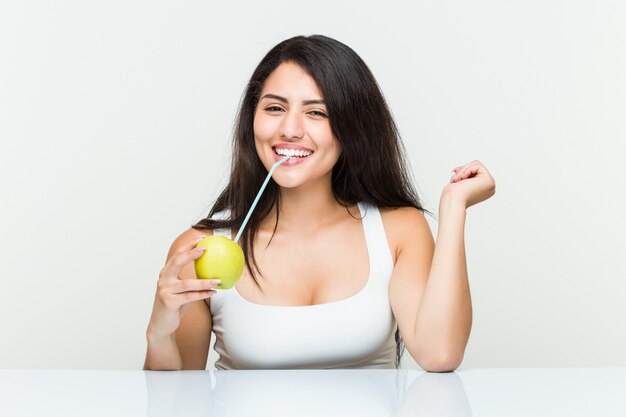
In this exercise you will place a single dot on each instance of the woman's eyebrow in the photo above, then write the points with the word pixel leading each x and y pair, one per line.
pixel 307 102
pixel 284 100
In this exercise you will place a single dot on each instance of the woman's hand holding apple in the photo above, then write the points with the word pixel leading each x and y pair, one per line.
pixel 174 294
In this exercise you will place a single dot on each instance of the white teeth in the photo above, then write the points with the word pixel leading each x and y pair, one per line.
pixel 292 152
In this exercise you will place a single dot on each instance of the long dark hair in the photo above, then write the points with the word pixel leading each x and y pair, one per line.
pixel 372 167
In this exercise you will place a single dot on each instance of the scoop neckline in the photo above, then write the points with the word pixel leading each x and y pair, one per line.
pixel 363 211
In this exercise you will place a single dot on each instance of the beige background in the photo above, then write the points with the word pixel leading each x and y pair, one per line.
pixel 114 126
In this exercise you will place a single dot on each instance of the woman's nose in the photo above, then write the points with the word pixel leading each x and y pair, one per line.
pixel 291 127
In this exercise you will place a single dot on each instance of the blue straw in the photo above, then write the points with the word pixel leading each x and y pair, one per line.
pixel 258 196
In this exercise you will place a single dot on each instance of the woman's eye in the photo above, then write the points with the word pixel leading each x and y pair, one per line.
pixel 318 113
pixel 273 108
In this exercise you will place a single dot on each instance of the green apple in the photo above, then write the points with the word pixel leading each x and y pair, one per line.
pixel 223 259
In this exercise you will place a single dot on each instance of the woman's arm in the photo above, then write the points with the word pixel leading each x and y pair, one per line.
pixel 186 346
pixel 429 288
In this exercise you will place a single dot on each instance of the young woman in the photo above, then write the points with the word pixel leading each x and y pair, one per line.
pixel 341 267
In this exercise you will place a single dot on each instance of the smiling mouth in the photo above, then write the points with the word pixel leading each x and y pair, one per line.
pixel 297 153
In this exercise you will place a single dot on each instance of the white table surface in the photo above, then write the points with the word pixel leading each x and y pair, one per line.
pixel 536 392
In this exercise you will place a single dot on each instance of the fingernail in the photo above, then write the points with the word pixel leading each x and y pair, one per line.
pixel 215 281
pixel 200 249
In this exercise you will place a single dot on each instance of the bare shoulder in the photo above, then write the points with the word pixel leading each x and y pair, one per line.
pixel 404 227
pixel 189 235
pixel 404 221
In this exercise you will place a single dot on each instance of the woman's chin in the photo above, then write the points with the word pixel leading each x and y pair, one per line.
pixel 286 181
pixel 289 184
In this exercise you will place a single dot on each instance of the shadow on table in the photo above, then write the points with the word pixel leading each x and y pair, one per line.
pixel 306 393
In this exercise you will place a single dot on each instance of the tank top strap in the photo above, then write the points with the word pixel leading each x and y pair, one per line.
pixel 376 239
pixel 218 299
pixel 222 215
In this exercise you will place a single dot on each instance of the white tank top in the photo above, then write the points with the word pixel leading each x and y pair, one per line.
pixel 356 332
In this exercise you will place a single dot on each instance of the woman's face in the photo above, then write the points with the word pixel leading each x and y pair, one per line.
pixel 291 119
